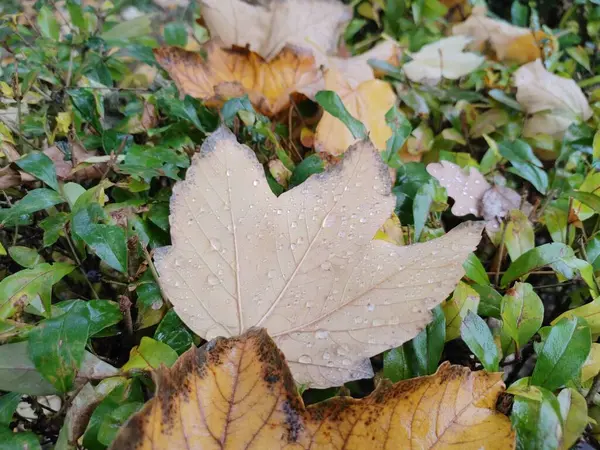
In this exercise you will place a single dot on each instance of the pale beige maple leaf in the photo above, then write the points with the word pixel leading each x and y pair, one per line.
pixel 302 265
pixel 368 102
pixel 269 25
pixel 555 102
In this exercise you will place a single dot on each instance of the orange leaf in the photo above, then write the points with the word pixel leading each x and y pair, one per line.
pixel 231 73
pixel 238 393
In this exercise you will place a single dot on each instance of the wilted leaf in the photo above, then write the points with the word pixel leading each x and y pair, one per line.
pixel 302 264
pixel 466 189
pixel 232 73
pixel 246 380
pixel 267 27
pixel 509 42
pixel 368 103
pixel 519 236
pixel 554 101
pixel 574 411
pixel 442 59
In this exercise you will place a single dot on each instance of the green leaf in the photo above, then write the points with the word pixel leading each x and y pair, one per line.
pixel 175 34
pixel 565 350
pixel 57 345
pixel 395 364
pixel 184 109
pixel 580 55
pixel 47 24
pixel 501 96
pixel 25 256
pixel 428 197
pixel 17 290
pixel 8 406
pixel 401 129
pixel 85 104
pixel 478 337
pixel 463 300
pixel 590 312
pixel 475 271
pixel 109 242
pixel 588 199
pixel 19 441
pixel 519 236
pixel 596 145
pixel 425 350
pixel 559 257
pixel 174 333
pixel 112 422
pixel 525 164
pixel 54 227
pixel 120 391
pixel 489 301
pixel 333 104
pixel 535 175
pixel 538 423
pixel 308 166
pixel 76 15
pixel 150 354
pixel 522 313
pixel 519 13
pixel 19 374
pixel 34 201
pixel 102 313
pixel 128 30
pixel 574 412
pixel 40 166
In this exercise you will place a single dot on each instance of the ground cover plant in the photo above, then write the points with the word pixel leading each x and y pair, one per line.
pixel 234 224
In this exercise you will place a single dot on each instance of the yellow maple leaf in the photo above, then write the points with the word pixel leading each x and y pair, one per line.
pixel 368 103
pixel 238 393
pixel 230 73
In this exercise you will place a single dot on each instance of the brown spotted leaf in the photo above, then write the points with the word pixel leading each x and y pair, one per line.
pixel 238 393
pixel 302 265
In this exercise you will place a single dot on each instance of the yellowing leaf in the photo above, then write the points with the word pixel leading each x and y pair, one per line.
pixel 391 231
pixel 232 73
pixel 368 103
pixel 442 59
pixel 591 367
pixel 266 27
pixel 554 101
pixel 302 265
pixel 238 393
pixel 509 42
pixel 464 299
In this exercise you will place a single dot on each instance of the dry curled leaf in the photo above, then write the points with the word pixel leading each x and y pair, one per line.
pixel 232 73
pixel 238 394
pixel 267 26
pixel 556 102
pixel 509 42
pixel 368 103
pixel 442 59
pixel 302 265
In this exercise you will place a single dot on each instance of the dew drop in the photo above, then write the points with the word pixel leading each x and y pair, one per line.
pixel 326 356
pixel 321 334
pixel 213 280
pixel 228 173
pixel 271 274
pixel 294 224
pixel 216 244
pixel 255 183
pixel 326 265
pixel 370 307
pixel 305 359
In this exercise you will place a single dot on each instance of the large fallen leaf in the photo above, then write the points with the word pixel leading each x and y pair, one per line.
pixel 238 394
pixel 556 102
pixel 232 73
pixel 302 265
pixel 442 59
pixel 368 102
pixel 509 42
pixel 267 26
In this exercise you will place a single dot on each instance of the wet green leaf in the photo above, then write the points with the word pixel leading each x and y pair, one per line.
pixel 19 441
pixel 47 23
pixel 332 103
pixel 174 333
pixel 463 300
pixel 25 256
pixel 395 364
pixel 475 271
pixel 34 201
pixel 574 412
pixel 40 166
pixel 8 406
pixel 522 313
pixel 477 335
pixel 150 354
pixel 538 423
pixel 175 34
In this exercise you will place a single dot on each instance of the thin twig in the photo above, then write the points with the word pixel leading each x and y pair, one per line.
pixel 148 258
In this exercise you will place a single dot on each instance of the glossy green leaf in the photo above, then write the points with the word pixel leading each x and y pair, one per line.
pixel 34 201
pixel 57 345
pixel 490 301
pixel 8 406
pixel 564 351
pixel 18 441
pixel 54 227
pixel 463 300
pixel 522 313
pixel 580 55
pixel 129 29
pixel 109 242
pixel 590 312
pixel 538 423
pixel 47 23
pixel 174 333
pixel 102 313
pixel 425 350
pixel 475 271
pixel 17 290
pixel 395 364
pixel 574 412
pixel 25 256
pixel 478 337
pixel 150 354
pixel 175 34
pixel 114 420
pixel 519 13
pixel 429 197
pixel 332 103
pixel 308 166
pixel 40 166
pixel 401 129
